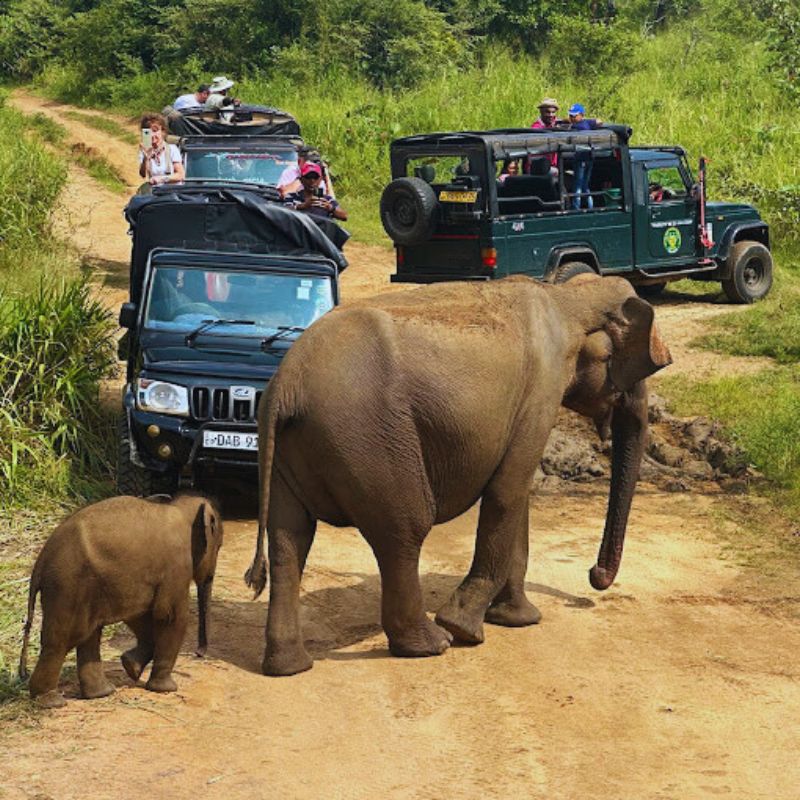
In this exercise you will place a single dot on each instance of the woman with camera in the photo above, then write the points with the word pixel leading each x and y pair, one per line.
pixel 312 197
pixel 159 162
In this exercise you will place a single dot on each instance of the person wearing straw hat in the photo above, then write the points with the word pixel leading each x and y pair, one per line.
pixel 548 110
pixel 218 92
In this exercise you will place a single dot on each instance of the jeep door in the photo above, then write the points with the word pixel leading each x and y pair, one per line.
pixel 666 214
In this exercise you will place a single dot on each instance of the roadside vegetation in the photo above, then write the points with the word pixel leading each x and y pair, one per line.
pixel 55 348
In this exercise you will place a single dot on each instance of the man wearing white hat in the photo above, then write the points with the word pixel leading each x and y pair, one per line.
pixel 219 92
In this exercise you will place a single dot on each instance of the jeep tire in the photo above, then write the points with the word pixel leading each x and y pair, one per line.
pixel 749 272
pixel 568 270
pixel 650 291
pixel 409 210
pixel 133 479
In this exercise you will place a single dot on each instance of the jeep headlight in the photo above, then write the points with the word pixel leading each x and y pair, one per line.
pixel 162 397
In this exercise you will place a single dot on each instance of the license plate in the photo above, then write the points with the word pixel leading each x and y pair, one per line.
pixel 457 197
pixel 230 440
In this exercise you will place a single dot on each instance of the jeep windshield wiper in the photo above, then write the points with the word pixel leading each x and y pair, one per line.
pixel 283 332
pixel 208 324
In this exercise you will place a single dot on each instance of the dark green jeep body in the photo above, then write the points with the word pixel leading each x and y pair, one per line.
pixel 453 215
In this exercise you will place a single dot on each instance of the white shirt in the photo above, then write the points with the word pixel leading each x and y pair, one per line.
pixel 215 100
pixel 186 101
pixel 163 166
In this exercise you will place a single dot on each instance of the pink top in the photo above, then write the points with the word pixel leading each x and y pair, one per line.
pixel 540 124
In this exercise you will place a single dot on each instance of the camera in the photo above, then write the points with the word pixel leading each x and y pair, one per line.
pixel 318 192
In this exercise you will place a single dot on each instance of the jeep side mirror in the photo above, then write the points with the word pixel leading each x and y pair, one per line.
pixel 696 192
pixel 127 315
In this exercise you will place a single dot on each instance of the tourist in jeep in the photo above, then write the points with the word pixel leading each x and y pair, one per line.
pixel 218 93
pixel 159 162
pixel 583 160
pixel 312 198
pixel 289 181
pixel 193 99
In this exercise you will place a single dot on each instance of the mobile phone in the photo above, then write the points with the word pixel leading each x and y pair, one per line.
pixel 318 192
pixel 147 138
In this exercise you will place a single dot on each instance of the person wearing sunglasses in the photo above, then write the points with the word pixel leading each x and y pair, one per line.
pixel 312 197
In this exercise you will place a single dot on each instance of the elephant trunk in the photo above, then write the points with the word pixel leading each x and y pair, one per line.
pixel 203 605
pixel 629 436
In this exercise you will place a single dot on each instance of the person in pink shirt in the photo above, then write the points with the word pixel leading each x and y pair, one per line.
pixel 548 112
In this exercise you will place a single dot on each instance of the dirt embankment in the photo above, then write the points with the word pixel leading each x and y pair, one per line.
pixel 679 682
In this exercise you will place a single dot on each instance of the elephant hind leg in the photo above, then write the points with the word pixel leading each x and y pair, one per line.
pixel 137 658
pixel 43 684
pixel 91 677
pixel 291 534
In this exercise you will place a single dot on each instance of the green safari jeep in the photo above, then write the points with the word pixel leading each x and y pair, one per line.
pixel 486 204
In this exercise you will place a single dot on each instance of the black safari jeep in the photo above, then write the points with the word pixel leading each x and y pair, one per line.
pixel 486 204
pixel 241 145
pixel 222 281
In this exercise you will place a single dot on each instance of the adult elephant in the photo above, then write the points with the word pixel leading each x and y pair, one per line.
pixel 400 412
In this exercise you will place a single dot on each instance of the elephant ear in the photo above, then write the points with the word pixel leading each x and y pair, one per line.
pixel 639 350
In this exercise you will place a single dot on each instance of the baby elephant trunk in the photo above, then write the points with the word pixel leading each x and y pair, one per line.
pixel 203 605
pixel 629 436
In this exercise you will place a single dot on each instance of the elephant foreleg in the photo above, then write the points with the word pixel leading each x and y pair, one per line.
pixel 91 677
pixel 291 533
pixel 511 607
pixel 168 636
pixel 137 658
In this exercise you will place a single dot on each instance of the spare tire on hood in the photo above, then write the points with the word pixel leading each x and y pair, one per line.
pixel 409 210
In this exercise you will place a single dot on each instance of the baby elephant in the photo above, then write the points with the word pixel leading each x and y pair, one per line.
pixel 123 559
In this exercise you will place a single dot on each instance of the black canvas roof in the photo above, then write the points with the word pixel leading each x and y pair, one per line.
pixel 529 140
pixel 227 220
pixel 238 142
pixel 247 120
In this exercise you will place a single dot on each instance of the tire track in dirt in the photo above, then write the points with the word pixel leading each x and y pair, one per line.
pixel 679 682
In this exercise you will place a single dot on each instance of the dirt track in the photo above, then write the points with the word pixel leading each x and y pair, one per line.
pixel 681 681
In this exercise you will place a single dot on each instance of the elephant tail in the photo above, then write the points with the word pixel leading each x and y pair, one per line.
pixel 33 590
pixel 270 418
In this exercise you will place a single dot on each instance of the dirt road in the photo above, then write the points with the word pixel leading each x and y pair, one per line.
pixel 679 682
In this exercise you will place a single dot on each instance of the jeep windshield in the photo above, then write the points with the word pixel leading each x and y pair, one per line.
pixel 239 166
pixel 232 303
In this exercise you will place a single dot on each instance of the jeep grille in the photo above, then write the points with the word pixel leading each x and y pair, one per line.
pixel 216 403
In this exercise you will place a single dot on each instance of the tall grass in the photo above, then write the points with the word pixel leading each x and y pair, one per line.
pixel 30 181
pixel 55 348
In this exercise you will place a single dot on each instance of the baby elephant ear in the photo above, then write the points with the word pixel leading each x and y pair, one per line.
pixel 639 350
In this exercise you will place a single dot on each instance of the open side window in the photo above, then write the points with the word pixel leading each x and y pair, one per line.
pixel 666 182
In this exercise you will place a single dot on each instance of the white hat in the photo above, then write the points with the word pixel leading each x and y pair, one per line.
pixel 220 84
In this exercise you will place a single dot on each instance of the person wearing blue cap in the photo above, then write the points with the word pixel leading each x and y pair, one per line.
pixel 583 160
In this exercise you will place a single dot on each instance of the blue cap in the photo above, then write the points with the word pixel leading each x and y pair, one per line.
pixel 576 108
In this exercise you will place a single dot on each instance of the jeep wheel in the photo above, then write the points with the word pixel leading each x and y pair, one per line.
pixel 409 210
pixel 133 479
pixel 568 270
pixel 750 271
pixel 650 291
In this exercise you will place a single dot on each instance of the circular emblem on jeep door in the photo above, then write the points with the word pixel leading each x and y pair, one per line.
pixel 672 240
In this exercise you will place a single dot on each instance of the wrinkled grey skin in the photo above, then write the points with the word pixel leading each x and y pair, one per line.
pixel 402 411
pixel 122 559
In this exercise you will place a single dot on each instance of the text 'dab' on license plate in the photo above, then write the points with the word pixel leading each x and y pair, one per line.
pixel 230 440
pixel 457 197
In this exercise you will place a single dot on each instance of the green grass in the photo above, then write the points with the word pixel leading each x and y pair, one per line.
pixel 760 413
pixel 48 129
pixel 105 125
pixel 98 167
